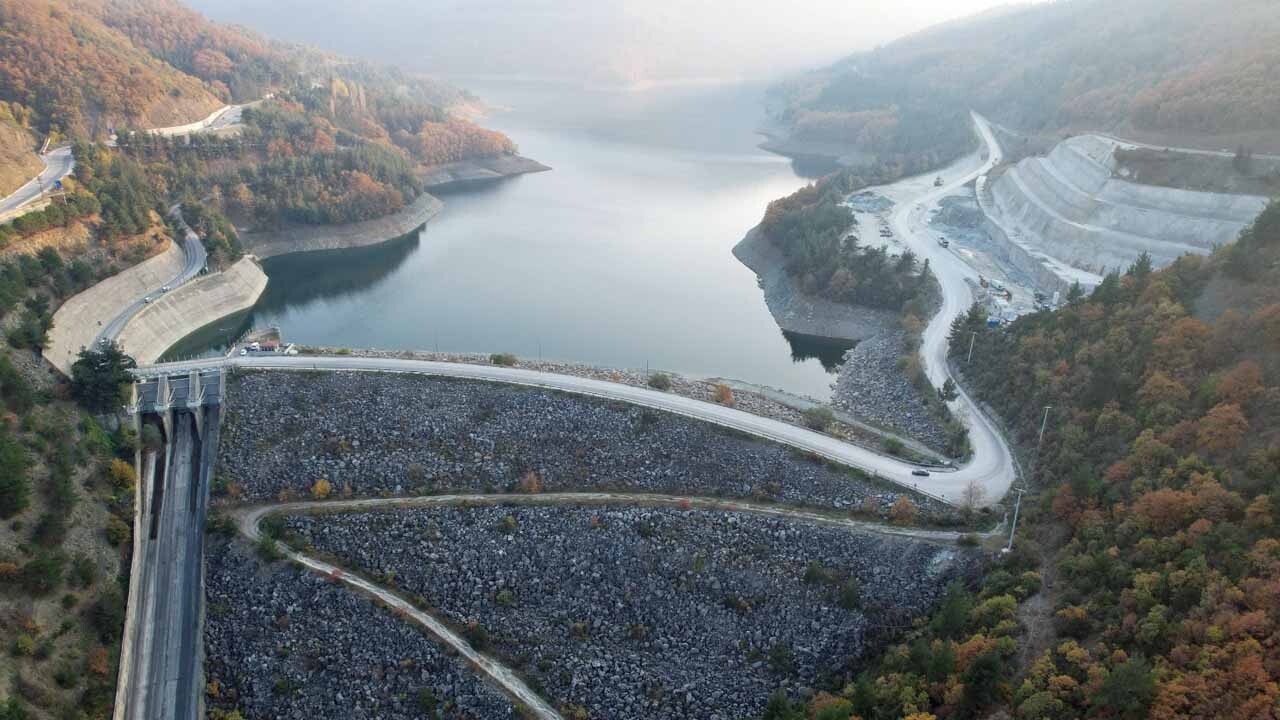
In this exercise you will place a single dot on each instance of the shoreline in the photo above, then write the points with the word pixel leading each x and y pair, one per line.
pixel 799 313
pixel 437 178
pixel 466 173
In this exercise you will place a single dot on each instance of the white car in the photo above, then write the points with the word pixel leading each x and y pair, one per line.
pixel 147 299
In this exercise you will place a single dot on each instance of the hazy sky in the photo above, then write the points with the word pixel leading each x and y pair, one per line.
pixel 597 40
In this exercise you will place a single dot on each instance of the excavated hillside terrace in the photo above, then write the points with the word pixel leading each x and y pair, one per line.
pixel 1073 209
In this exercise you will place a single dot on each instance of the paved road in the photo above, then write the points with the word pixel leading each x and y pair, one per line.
pixel 1182 150
pixel 196 259
pixel 992 464
pixel 58 164
pixel 948 486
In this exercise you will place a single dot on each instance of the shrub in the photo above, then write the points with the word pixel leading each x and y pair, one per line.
pixel 321 489
pixel 531 483
pixel 903 512
pixel 118 531
pixel 893 446
pixel 108 617
pixel 503 359
pixel 818 418
pixel 724 395
pixel 122 474
pixel 24 646
pixel 267 549
pixel 475 634
pixel 660 381
pixel 42 575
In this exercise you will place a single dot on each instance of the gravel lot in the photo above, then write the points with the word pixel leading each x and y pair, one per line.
pixel 648 613
pixel 283 643
pixel 371 434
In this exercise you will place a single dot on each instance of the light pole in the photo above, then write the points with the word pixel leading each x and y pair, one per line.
pixel 1014 527
pixel 1043 424
pixel 973 337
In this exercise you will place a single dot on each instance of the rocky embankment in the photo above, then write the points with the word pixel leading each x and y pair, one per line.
pixel 469 172
pixel 648 613
pixel 281 642
pixel 755 399
pixel 312 238
pixel 798 312
pixel 372 434
pixel 872 386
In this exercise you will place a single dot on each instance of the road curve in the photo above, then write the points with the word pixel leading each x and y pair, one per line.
pixel 992 465
pixel 58 163
pixel 946 486
pixel 248 521
pixel 196 256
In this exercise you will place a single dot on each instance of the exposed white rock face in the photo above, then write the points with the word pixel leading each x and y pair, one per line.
pixel 1072 207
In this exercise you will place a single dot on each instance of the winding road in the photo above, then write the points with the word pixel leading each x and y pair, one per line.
pixel 196 260
pixel 58 163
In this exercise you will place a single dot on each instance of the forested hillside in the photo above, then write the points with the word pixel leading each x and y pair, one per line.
pixel 1152 513
pixel 332 140
pixel 1187 70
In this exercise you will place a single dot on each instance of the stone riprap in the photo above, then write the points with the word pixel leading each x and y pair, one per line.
pixel 281 642
pixel 642 612
pixel 370 434
pixel 872 386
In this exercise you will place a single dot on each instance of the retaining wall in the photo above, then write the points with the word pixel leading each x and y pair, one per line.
pixel 200 302
pixel 81 318
pixel 311 238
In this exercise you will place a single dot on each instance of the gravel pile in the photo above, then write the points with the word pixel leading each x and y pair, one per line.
pixel 649 613
pixel 281 642
pixel 371 434
pixel 871 386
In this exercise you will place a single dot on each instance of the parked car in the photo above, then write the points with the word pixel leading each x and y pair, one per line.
pixel 146 299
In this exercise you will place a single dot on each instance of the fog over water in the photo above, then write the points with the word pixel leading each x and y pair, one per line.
pixel 613 42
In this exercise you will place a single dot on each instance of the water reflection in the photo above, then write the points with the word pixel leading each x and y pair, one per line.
pixel 828 351
pixel 300 279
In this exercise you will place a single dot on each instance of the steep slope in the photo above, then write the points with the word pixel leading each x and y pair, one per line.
pixel 76 75
pixel 1074 206
pixel 18 161
pixel 1170 71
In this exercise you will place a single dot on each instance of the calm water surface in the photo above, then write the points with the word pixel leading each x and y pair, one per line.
pixel 620 256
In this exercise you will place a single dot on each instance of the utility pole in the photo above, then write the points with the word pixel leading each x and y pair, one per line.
pixel 1043 424
pixel 1014 527
pixel 973 337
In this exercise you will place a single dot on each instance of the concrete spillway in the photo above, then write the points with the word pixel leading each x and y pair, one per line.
pixel 1071 207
